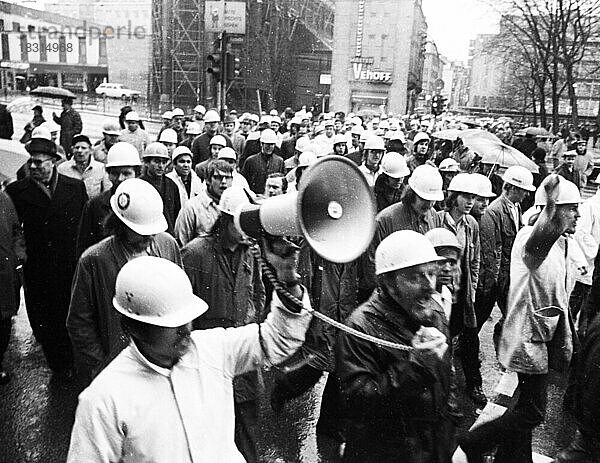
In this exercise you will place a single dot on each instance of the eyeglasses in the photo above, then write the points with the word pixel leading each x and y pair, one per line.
pixel 39 162
pixel 220 178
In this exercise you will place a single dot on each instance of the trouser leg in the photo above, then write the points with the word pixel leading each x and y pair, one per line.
pixel 331 417
pixel 484 304
pixel 511 432
pixel 246 423
pixel 469 357
pixel 578 295
pixel 5 328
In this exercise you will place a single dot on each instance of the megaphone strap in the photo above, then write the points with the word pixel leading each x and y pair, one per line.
pixel 282 292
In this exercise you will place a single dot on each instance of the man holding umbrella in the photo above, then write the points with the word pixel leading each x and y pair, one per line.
pixel 70 124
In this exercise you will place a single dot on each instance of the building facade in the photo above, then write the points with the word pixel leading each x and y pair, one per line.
pixel 456 84
pixel 378 54
pixel 488 73
pixel 40 48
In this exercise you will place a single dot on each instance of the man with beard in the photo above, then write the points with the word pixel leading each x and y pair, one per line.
pixel 201 212
pixel 397 398
pixel 122 162
pixel 538 331
pixel 137 227
pixel 49 207
pixel 257 167
pixel 110 136
pixel 156 160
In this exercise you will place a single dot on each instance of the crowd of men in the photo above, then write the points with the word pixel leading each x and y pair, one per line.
pixel 139 285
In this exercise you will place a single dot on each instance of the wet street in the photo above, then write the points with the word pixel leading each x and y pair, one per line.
pixel 37 409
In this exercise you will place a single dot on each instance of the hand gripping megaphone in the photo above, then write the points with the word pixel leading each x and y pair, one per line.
pixel 334 209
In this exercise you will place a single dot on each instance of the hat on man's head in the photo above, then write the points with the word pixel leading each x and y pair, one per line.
pixel 42 146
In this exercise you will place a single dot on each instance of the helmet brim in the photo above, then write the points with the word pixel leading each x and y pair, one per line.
pixel 188 310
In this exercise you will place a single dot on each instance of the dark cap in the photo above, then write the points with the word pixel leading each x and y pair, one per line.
pixel 42 146
pixel 80 137
pixel 229 120
pixel 37 108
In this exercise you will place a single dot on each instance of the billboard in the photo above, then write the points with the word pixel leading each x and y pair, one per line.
pixel 222 16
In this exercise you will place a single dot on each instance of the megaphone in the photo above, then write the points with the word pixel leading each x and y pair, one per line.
pixel 334 209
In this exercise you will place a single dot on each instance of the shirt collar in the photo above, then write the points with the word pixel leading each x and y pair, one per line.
pixel 160 370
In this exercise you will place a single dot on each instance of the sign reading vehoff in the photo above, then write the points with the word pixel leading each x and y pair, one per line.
pixel 361 68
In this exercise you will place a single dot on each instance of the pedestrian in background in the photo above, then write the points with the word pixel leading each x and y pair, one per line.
pixel 6 123
pixel 70 125
pixel 12 256
pixel 134 134
pixel 38 119
pixel 110 136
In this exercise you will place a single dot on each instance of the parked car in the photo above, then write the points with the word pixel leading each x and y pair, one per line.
pixel 116 91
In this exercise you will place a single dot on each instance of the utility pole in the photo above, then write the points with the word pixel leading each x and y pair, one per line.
pixel 223 83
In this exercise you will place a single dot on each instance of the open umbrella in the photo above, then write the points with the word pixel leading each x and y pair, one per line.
pixel 537 132
pixel 447 134
pixel 469 135
pixel 492 152
pixel 21 104
pixel 53 92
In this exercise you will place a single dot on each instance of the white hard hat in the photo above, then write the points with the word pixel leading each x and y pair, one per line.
pixel 570 153
pixel 273 112
pixel 156 150
pixel 419 137
pixel 168 136
pixel 265 120
pixel 132 116
pixel 200 109
pixel 180 151
pixel 109 127
pixel 218 140
pixel 168 115
pixel 232 199
pixel 427 182
pixel 339 138
pixel 356 121
pixel 52 126
pixel 375 143
pixel 443 238
pixel 403 249
pixel 268 136
pixel 485 186
pixel 384 124
pixel 394 165
pixel 568 193
pixel 307 158
pixel 41 132
pixel 193 128
pixel 357 130
pixel 364 136
pixel 139 206
pixel 328 123
pixel 276 119
pixel 156 291
pixel 396 135
pixel 178 112
pixel 227 153
pixel 302 143
pixel 449 165
pixel 122 154
pixel 211 116
pixel 319 129
pixel 464 183
pixel 520 177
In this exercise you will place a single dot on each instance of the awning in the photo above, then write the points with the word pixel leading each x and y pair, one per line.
pixel 361 97
pixel 14 65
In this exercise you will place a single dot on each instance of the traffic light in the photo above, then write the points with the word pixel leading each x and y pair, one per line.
pixel 215 66
pixel 442 104
pixel 233 67
pixel 436 109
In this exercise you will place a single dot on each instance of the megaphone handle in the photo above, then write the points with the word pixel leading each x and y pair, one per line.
pixel 282 292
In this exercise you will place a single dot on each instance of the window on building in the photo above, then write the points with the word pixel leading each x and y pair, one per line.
pixel 102 56
pixel 82 50
pixel 62 49
pixel 383 59
pixel 16 27
pixel 373 14
pixel 1 25
pixel 24 53
pixel 5 48
pixel 43 53
pixel 371 36
pixel 30 28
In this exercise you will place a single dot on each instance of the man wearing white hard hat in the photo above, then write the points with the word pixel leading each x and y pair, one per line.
pixel 201 144
pixel 259 166
pixel 183 175
pixel 397 400
pixel 388 187
pixel 482 200
pixel 156 159
pixel 373 153
pixel 178 125
pixel 499 226
pixel 306 159
pixel 192 130
pixel 168 137
pixel 229 155
pixel 354 149
pixel 110 136
pixel 134 134
pixel 199 112
pixel 414 212
pixel 201 212
pixel 168 372
pixel 537 333
pixel 167 120
pixel 122 162
pixel 217 143
pixel 136 227
pixel 420 151
pixel 340 147
pixel 226 275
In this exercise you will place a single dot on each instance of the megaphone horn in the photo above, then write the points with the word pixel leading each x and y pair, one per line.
pixel 334 209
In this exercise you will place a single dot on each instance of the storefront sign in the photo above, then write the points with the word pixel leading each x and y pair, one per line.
pixel 364 72
pixel 222 16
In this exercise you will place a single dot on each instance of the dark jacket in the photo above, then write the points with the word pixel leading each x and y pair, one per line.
pixel 571 175
pixel 94 325
pixel 258 167
pixel 91 226
pixel 6 123
pixel 12 250
pixel 497 235
pixel 50 225
pixel 384 195
pixel 201 147
pixel 396 401
pixel 70 125
pixel 169 193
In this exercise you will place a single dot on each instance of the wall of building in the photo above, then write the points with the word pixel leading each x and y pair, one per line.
pixel 374 54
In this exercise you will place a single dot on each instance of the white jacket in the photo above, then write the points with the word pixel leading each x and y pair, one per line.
pixel 587 234
pixel 196 187
pixel 135 411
